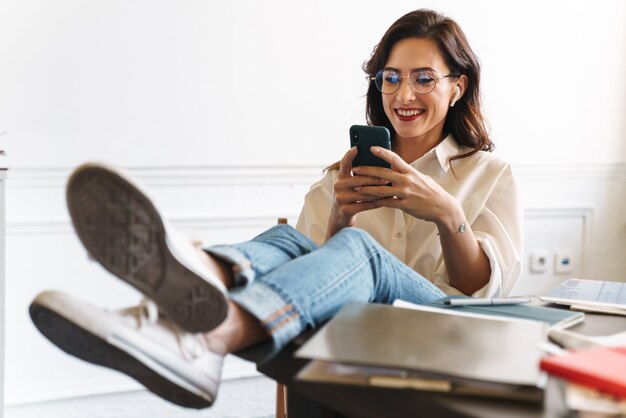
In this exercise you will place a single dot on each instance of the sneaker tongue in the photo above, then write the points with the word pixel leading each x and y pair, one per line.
pixel 191 345
pixel 146 320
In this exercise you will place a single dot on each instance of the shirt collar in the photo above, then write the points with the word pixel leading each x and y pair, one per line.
pixel 445 150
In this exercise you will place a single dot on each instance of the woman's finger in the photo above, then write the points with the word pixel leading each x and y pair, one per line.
pixel 392 158
pixel 347 198
pixel 357 207
pixel 388 202
pixel 345 165
pixel 377 191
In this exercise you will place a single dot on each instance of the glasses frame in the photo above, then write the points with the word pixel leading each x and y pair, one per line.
pixel 437 78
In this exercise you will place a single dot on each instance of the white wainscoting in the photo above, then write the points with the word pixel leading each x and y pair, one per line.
pixel 590 198
pixel 550 232
pixel 223 205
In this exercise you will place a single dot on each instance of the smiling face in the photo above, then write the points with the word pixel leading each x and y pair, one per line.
pixel 419 117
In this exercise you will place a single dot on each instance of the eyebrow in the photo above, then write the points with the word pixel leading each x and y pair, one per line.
pixel 414 69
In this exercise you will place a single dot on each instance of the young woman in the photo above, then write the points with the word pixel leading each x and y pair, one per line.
pixel 443 220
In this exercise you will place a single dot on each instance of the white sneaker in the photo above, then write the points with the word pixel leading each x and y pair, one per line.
pixel 122 229
pixel 173 364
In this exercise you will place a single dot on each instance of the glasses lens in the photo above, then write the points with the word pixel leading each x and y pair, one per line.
pixel 387 81
pixel 423 82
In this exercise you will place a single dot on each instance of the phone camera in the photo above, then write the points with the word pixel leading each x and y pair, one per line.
pixel 355 136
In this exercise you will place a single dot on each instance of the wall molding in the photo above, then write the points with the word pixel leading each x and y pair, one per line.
pixel 64 226
pixel 189 196
pixel 570 172
pixel 35 195
pixel 586 213
pixel 177 176
pixel 283 174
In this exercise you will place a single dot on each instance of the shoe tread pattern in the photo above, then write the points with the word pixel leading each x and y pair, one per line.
pixel 123 231
pixel 116 228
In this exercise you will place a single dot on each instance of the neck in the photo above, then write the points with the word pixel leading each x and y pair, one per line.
pixel 410 149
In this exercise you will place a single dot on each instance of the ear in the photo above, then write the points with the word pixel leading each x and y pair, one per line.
pixel 457 94
pixel 459 89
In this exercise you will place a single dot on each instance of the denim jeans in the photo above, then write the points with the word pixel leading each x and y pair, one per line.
pixel 290 284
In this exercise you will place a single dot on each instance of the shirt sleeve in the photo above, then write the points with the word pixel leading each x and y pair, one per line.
pixel 498 229
pixel 313 219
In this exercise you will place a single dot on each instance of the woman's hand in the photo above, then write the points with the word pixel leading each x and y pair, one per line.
pixel 420 196
pixel 347 202
pixel 410 191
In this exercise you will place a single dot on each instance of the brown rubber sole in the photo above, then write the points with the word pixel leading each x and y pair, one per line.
pixel 122 230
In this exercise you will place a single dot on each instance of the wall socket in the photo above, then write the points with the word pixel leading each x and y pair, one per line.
pixel 539 261
pixel 563 262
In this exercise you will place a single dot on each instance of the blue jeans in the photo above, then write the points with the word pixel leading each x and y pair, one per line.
pixel 290 284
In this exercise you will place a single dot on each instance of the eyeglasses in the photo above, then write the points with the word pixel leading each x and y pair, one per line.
pixel 420 81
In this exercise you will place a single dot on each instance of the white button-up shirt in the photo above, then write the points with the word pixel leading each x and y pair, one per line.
pixel 485 187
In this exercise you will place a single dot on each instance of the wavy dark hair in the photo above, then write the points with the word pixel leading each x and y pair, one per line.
pixel 465 120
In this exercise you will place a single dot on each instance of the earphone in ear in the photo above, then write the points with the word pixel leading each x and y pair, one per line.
pixel 456 96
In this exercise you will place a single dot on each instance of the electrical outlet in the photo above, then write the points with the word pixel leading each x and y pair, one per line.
pixel 539 261
pixel 563 262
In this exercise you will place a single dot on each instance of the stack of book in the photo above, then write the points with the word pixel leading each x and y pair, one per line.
pixel 590 296
pixel 594 367
pixel 600 368
pixel 432 349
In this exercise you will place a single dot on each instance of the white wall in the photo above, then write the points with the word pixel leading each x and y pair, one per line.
pixel 141 84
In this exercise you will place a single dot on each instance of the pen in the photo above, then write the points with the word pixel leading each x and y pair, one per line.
pixel 486 301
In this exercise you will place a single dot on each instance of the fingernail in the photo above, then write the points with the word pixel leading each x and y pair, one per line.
pixel 376 150
pixel 357 188
pixel 356 169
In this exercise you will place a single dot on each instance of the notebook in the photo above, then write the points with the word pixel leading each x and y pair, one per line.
pixel 435 347
pixel 557 318
pixel 600 368
pixel 589 294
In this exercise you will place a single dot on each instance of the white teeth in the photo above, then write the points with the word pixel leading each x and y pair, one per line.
pixel 412 112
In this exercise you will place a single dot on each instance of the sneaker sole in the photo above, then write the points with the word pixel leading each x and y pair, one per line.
pixel 81 343
pixel 121 228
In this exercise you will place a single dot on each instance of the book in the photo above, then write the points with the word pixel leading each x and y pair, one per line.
pixel 569 339
pixel 592 403
pixel 387 377
pixel 557 318
pixel 590 295
pixel 424 348
pixel 600 368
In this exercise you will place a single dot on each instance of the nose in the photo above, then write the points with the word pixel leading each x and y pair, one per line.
pixel 405 93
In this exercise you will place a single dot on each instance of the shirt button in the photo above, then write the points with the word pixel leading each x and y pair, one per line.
pixel 398 234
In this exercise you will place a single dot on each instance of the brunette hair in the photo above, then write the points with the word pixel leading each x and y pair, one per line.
pixel 465 120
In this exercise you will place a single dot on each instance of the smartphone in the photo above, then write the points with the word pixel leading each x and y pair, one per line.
pixel 363 137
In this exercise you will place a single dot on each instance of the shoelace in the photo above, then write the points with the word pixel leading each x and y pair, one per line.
pixel 146 313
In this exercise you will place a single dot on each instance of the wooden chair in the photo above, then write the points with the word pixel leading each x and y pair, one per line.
pixel 281 390
pixel 281 401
